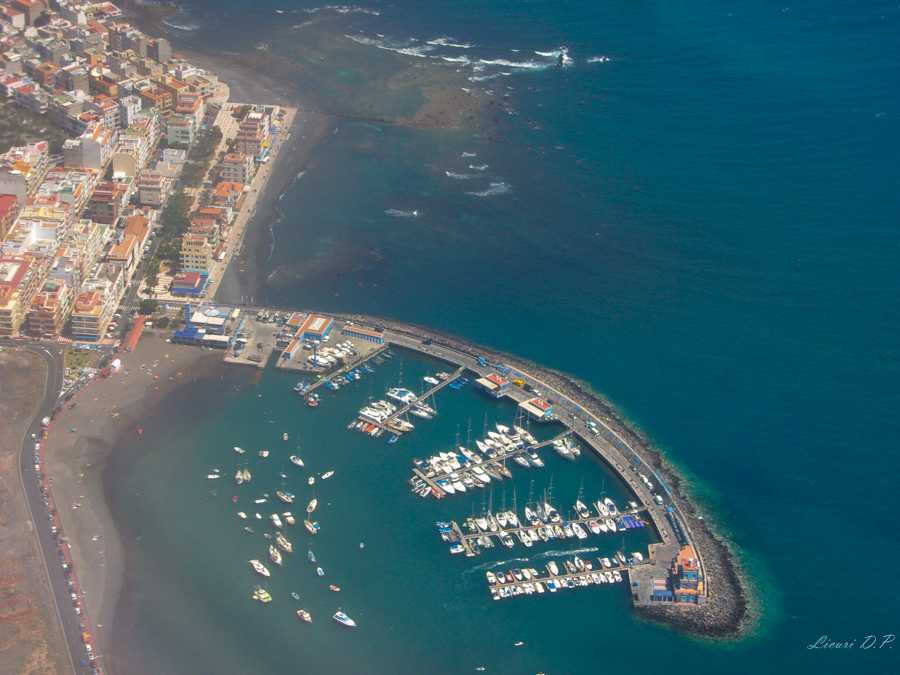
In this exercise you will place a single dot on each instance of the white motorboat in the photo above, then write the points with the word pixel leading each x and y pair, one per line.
pixel 327 474
pixel 344 620
pixel 296 460
pixel 457 483
pixel 239 450
pixel 405 396
pixel 213 476
pixel 239 476
pixel 312 479
pixel 260 568
pixel 276 521
pixel 263 453
pixel 241 514
pixel 481 474
pixel 553 568
pixel 246 475
pixel 312 506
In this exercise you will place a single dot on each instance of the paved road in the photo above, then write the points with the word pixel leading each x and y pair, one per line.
pixel 33 478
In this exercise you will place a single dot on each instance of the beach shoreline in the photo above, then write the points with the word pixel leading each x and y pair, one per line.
pixel 106 410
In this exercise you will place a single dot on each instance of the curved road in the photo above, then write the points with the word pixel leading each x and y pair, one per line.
pixel 33 479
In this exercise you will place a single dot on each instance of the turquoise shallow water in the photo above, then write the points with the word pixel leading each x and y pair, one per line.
pixel 702 227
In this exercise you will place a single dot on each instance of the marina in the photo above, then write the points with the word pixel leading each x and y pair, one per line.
pixel 462 469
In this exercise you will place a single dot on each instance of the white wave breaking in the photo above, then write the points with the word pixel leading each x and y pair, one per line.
pixel 461 176
pixel 478 167
pixel 469 154
pixel 498 188
pixel 397 213
pixel 407 47
pixel 342 9
pixel 446 42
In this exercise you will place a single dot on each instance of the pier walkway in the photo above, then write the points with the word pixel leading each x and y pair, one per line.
pixel 498 460
pixel 621 568
pixel 387 423
pixel 426 395
pixel 355 363
pixel 477 533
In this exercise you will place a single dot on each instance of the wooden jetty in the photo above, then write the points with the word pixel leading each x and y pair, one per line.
pixel 385 425
pixel 471 539
pixel 622 568
pixel 432 481
pixel 359 360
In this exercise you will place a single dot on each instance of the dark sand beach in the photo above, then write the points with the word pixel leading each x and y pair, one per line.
pixel 77 460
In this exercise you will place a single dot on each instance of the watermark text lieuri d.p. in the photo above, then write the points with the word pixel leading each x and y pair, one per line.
pixel 867 642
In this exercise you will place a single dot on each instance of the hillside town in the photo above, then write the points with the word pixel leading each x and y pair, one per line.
pixel 145 197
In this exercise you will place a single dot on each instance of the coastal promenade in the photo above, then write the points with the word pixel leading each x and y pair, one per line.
pixel 239 227
pixel 56 556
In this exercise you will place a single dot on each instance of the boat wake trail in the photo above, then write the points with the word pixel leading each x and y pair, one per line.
pixel 402 214
pixel 560 554
pixel 501 563
pixel 461 176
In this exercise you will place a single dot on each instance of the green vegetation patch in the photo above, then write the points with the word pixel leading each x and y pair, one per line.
pixel 78 359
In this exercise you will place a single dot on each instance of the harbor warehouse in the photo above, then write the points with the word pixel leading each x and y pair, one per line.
pixel 315 328
pixel 493 384
pixel 363 334
pixel 537 409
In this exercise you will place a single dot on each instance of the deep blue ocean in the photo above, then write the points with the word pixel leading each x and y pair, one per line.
pixel 698 215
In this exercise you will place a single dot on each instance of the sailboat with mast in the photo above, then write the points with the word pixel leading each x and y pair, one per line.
pixel 583 511
pixel 398 393
pixel 550 512
pixel 296 458
pixel 531 510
